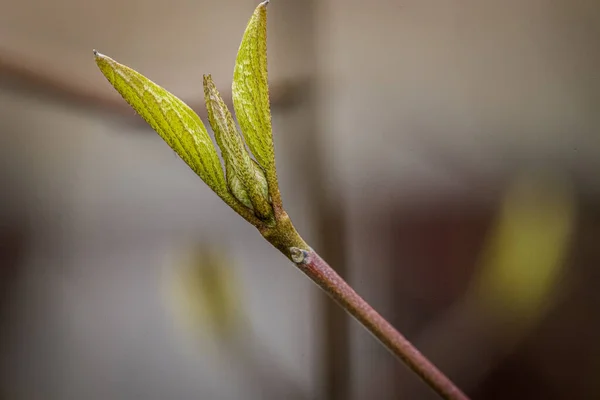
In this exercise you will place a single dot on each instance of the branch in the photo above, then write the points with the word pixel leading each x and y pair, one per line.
pixel 323 275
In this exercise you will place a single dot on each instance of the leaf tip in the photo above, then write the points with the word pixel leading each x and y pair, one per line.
pixel 209 88
pixel 106 65
pixel 99 56
pixel 103 61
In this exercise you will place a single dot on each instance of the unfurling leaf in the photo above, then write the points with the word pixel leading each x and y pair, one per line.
pixel 239 190
pixel 245 178
pixel 171 118
pixel 251 92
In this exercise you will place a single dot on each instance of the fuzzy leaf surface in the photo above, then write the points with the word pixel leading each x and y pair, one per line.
pixel 250 89
pixel 175 122
pixel 246 179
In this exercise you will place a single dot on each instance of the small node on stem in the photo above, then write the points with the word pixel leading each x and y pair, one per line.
pixel 298 255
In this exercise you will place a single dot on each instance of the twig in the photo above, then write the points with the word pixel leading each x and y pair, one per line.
pixel 323 275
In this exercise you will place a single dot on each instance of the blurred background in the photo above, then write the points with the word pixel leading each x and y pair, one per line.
pixel 443 156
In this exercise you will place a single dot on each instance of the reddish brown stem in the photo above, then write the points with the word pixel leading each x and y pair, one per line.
pixel 323 275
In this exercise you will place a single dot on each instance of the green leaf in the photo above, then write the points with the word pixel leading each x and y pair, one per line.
pixel 251 92
pixel 171 118
pixel 245 178
pixel 239 191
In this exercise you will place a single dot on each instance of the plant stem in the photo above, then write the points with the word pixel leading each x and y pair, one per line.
pixel 323 275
